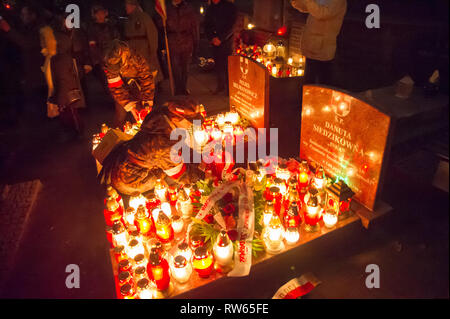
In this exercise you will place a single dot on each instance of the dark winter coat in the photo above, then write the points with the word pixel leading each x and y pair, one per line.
pixel 219 21
pixel 182 29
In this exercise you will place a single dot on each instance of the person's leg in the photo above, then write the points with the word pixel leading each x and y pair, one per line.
pixel 177 72
pixel 186 59
pixel 219 67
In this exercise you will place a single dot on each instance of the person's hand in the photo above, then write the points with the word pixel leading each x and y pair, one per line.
pixel 148 103
pixel 299 5
pixel 4 26
pixel 216 41
pixel 87 68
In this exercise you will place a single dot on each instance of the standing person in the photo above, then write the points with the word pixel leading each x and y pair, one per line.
pixel 142 36
pixel 26 38
pixel 130 81
pixel 182 33
pixel 101 33
pixel 319 36
pixel 68 94
pixel 220 18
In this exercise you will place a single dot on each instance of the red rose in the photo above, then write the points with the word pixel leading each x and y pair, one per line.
pixel 232 234
pixel 229 209
pixel 209 219
pixel 228 198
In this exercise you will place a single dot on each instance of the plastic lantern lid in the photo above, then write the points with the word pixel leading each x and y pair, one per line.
pixel 201 252
pixel 139 258
pixel 119 249
pixel 140 213
pixel 124 263
pixel 183 246
pixel 143 283
pixel 155 260
pixel 124 275
pixel 140 270
pixel 223 240
pixel 133 243
pixel 117 228
pixel 274 189
pixel 180 261
pixel 125 289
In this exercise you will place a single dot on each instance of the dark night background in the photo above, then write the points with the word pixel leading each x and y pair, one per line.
pixel 410 244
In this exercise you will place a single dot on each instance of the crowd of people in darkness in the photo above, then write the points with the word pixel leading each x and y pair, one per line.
pixel 45 63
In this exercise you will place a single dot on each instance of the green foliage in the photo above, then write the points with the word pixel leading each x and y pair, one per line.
pixel 259 205
pixel 205 187
pixel 205 230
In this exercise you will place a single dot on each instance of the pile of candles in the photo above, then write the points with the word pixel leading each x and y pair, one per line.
pixel 275 59
pixel 299 198
pixel 223 128
pixel 150 246
pixel 154 254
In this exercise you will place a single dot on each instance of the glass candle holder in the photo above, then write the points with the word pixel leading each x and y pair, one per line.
pixel 127 291
pixel 160 191
pixel 136 201
pixel 120 254
pixel 181 269
pixel 292 235
pixel 165 207
pixel 319 179
pixel 144 289
pixel 184 204
pixel 142 222
pixel 184 250
pixel 220 120
pixel 282 172
pixel 125 277
pixel 177 224
pixel 140 260
pixel 330 218
pixel 158 271
pixel 113 211
pixel 164 230
pixel 292 217
pixel 120 235
pixel 140 273
pixel 232 117
pixel 312 214
pixel 134 248
pixel 203 262
pixel 269 210
pixel 200 137
pixel 195 242
pixel 128 217
pixel 273 237
pixel 124 265
pixel 223 249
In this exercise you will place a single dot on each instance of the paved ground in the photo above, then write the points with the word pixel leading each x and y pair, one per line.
pixel 67 226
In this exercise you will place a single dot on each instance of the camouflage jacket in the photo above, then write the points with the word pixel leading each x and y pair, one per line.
pixel 136 165
pixel 131 83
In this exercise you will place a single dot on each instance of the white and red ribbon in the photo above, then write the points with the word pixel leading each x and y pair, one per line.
pixel 176 172
pixel 115 82
pixel 245 228
pixel 297 287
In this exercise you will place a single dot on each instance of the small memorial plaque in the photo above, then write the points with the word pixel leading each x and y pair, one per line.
pixel 347 137
pixel 249 82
